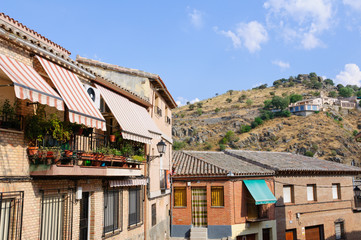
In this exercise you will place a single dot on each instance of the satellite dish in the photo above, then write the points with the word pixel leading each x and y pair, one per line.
pixel 91 93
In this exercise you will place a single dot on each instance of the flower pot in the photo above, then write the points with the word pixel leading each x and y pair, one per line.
pixel 112 138
pixel 32 151
pixel 68 153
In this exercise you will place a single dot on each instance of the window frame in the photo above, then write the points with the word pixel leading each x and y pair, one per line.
pixel 338 191
pixel 185 196
pixel 118 202
pixel 292 199
pixel 154 214
pixel 342 229
pixel 14 214
pixel 217 187
pixel 314 192
pixel 138 207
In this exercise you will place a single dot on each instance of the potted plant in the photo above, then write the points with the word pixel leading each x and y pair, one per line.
pixel 112 138
pixel 34 132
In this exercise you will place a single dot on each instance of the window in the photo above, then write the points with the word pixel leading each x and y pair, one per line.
pixel 154 214
pixel 217 195
pixel 52 217
pixel 135 206
pixel 311 192
pixel 111 210
pixel 336 191
pixel 339 230
pixel 180 197
pixel 11 215
pixel 288 194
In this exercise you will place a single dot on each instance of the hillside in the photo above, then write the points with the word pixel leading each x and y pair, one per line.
pixel 327 135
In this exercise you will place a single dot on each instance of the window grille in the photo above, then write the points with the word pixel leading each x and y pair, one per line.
pixel 154 214
pixel 11 214
pixel 135 206
pixel 56 215
pixel 111 210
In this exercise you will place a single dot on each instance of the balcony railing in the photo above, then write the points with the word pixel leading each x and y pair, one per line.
pixel 82 155
pixel 11 122
pixel 357 202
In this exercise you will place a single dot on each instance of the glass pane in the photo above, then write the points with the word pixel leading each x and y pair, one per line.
pixel 310 196
pixel 287 194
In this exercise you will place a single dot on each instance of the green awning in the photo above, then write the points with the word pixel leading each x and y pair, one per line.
pixel 260 191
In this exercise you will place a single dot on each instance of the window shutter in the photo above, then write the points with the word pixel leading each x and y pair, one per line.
pixel 338 231
pixel 310 193
pixel 287 194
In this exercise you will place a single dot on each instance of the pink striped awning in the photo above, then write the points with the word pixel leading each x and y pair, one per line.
pixel 81 108
pixel 28 84
pixel 134 120
pixel 128 182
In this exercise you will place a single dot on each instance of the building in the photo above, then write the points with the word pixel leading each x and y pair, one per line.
pixel 228 197
pixel 75 165
pixel 152 89
pixel 309 106
pixel 315 198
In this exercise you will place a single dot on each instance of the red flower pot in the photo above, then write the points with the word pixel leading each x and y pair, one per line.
pixel 112 138
pixel 32 151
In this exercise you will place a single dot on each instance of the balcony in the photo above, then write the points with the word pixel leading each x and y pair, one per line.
pixel 86 153
pixel 257 213
pixel 82 164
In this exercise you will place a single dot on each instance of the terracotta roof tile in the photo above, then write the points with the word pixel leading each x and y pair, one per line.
pixel 213 163
pixel 33 33
pixel 284 161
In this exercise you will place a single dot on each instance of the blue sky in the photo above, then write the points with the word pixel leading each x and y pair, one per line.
pixel 201 48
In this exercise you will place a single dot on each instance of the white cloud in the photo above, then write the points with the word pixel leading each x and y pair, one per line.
pixel 355 4
pixel 181 101
pixel 351 75
pixel 281 64
pixel 249 35
pixel 196 18
pixel 307 18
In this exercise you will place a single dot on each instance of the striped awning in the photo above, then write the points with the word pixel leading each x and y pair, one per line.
pixel 81 108
pixel 28 84
pixel 132 118
pixel 128 182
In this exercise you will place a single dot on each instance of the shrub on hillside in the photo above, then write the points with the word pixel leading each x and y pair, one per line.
pixel 245 128
pixel 222 147
pixel 191 107
pixel 309 154
pixel 217 110
pixel 178 145
pixel 228 100
pixel 249 102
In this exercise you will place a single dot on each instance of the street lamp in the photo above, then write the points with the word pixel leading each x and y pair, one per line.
pixel 161 146
pixel 357 192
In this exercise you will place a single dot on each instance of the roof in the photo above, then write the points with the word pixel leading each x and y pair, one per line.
pixel 154 78
pixel 289 162
pixel 31 32
pixel 194 163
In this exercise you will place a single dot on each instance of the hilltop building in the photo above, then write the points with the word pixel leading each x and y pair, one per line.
pixel 322 103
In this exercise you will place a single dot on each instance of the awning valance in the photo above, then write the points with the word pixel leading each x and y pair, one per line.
pixel 133 119
pixel 260 191
pixel 128 182
pixel 28 84
pixel 81 108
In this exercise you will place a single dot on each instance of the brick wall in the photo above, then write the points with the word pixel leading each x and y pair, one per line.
pixel 325 211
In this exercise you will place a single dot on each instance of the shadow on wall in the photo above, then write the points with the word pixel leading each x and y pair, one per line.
pixel 355 235
pixel 281 218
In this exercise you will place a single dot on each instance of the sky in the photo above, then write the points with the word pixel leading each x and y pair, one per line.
pixel 204 48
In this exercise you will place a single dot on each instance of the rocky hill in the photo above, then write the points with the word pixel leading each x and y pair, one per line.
pixel 219 122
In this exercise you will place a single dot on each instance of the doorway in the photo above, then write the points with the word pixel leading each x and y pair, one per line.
pixel 84 216
pixel 314 233
pixel 199 207
pixel 291 234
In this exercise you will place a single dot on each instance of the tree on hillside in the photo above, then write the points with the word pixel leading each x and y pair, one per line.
pixel 312 74
pixel 358 93
pixel 329 82
pixel 339 86
pixel 295 98
pixel 345 92
pixel 280 103
pixel 332 94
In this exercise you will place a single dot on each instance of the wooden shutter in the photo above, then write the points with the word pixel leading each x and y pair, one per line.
pixel 180 197
pixel 52 218
pixel 287 194
pixel 217 196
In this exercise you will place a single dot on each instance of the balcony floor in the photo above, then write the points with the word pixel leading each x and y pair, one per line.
pixel 74 170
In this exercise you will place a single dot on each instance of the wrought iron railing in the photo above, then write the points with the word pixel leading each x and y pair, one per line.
pixel 11 122
pixel 167 120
